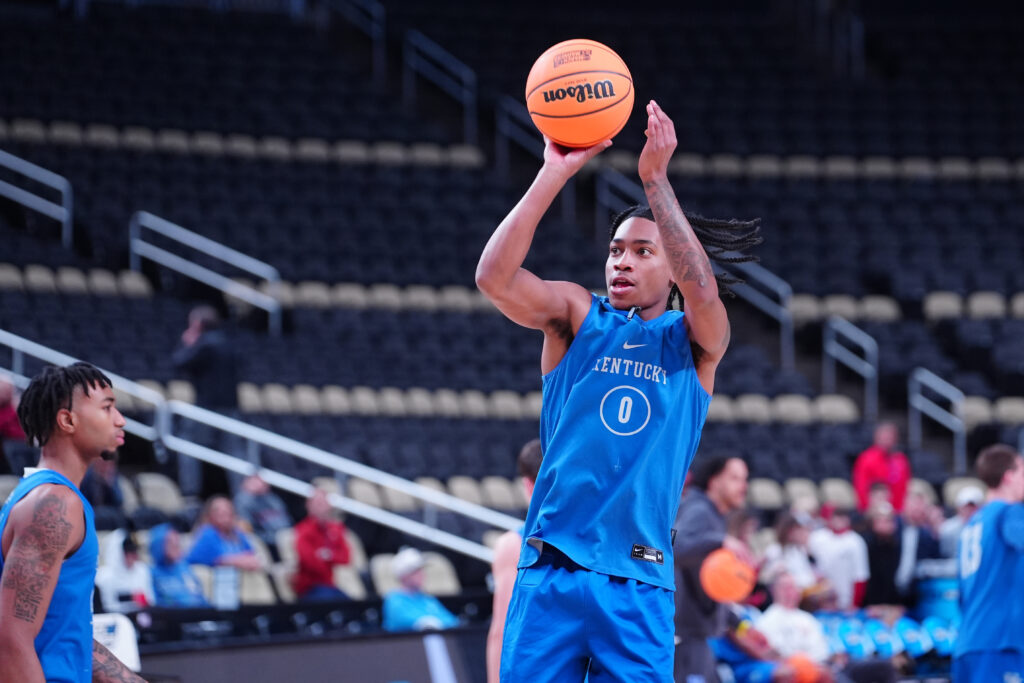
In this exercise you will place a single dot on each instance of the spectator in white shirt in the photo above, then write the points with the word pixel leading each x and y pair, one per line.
pixel 841 555
pixel 126 584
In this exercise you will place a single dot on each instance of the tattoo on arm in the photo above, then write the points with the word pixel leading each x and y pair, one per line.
pixel 106 668
pixel 685 253
pixel 33 556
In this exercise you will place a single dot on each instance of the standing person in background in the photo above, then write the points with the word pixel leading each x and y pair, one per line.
pixel 48 544
pixel 9 426
pixel 883 542
pixel 101 489
pixel 718 487
pixel 882 463
pixel 990 646
pixel 321 546
pixel 207 359
pixel 506 558
pixel 627 383
pixel 841 556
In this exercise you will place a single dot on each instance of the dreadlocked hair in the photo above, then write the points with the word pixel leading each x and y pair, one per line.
pixel 724 241
pixel 50 392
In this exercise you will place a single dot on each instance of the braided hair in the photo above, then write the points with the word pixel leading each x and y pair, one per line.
pixel 718 237
pixel 50 392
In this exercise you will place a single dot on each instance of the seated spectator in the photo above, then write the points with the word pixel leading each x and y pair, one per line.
pixel 126 585
pixel 789 554
pixel 882 463
pixel 408 608
pixel 174 584
pixel 793 633
pixel 100 488
pixel 263 510
pixel 220 542
pixel 10 428
pixel 321 546
pixel 883 544
pixel 968 500
pixel 841 555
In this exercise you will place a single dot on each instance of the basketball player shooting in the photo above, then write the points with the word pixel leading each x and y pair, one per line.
pixel 627 380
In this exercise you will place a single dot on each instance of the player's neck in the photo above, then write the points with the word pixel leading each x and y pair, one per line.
pixel 62 457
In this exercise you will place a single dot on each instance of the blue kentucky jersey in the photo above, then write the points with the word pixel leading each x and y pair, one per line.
pixel 64 643
pixel 621 420
pixel 991 567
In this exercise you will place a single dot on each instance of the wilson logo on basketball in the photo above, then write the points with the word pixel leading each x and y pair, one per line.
pixel 598 91
pixel 571 56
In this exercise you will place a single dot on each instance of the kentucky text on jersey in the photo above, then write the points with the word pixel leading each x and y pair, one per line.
pixel 624 366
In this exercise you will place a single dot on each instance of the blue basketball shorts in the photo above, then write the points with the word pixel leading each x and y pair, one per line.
pixel 989 666
pixel 566 623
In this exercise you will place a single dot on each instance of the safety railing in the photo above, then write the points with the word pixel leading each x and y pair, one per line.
pixel 762 288
pixel 21 348
pixel 514 125
pixel 839 336
pixel 162 433
pixel 139 249
pixel 951 417
pixel 369 17
pixel 61 211
pixel 422 56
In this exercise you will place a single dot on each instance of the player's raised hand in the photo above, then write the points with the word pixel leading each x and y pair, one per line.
pixel 569 160
pixel 661 143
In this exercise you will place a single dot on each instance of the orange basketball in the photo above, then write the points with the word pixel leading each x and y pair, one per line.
pixel 804 670
pixel 579 92
pixel 725 578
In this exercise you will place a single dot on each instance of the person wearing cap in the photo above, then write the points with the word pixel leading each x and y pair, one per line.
pixel 841 555
pixel 968 500
pixel 408 608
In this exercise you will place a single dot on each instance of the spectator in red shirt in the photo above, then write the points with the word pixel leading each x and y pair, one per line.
pixel 320 544
pixel 10 428
pixel 882 463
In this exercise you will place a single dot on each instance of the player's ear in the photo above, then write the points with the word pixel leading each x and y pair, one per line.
pixel 66 420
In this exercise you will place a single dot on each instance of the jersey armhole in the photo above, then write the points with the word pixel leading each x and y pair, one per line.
pixel 595 301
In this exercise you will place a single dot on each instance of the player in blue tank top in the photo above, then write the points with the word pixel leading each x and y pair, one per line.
pixel 626 386
pixel 990 560
pixel 48 547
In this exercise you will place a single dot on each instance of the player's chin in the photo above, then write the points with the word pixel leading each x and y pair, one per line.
pixel 109 455
pixel 622 297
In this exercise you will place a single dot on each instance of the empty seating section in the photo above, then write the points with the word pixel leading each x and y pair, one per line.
pixel 745 80
pixel 178 69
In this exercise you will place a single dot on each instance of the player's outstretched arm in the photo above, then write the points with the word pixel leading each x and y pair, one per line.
pixel 522 296
pixel 44 528
pixel 691 269
pixel 106 668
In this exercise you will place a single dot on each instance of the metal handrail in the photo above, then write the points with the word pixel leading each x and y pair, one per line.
pixel 139 248
pixel 614 192
pixel 838 333
pixel 21 347
pixel 348 505
pixel 370 17
pixel 513 124
pixel 422 56
pixel 161 434
pixel 342 465
pixel 62 212
pixel 951 418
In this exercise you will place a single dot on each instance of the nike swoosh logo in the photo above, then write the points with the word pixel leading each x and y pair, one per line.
pixel 628 346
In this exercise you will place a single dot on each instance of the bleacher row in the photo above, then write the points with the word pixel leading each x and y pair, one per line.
pixel 213 144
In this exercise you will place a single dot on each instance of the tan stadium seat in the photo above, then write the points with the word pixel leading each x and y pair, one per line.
pixel 977 411
pixel 391 401
pixel 389 153
pixel 879 308
pixel 843 305
pixel 102 282
pixel 421 298
pixel 364 401
pixel 306 400
pixel 920 486
pixel 721 409
pixel 348 580
pixel 456 298
pixel 159 491
pixel 284 539
pixel 836 409
pixel 71 281
pixel 313 150
pixel 765 494
pixel 7 484
pixel 356 551
pixel 40 279
pixel 448 403
pixel 349 295
pixel 313 294
pixel 800 489
pixel 365 492
pixel 398 501
pixel 805 308
pixel 499 493
pixel 440 575
pixel 753 408
pixel 432 483
pixel 943 305
pixel 466 488
pixel 1009 410
pixel 792 408
pixel 129 497
pixel 134 285
pixel 1017 305
pixel 474 403
pixel 256 588
pixel 426 154
pixel 419 401
pixel 336 400
pixel 838 492
pixel 351 152
pixel 490 537
pixel 506 405
pixel 385 295
pixel 986 305
pixel 532 403
pixel 250 398
pixel 11 277
pixel 180 390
